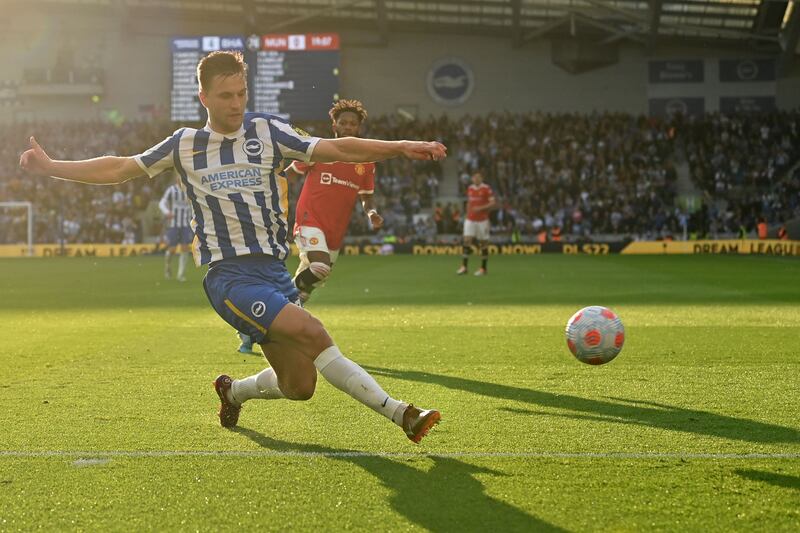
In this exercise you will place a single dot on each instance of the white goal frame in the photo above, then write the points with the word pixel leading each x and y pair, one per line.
pixel 29 208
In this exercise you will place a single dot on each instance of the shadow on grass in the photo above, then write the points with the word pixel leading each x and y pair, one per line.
pixel 620 411
pixel 89 283
pixel 446 497
pixel 779 480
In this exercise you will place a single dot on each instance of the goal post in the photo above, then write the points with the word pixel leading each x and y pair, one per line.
pixel 27 208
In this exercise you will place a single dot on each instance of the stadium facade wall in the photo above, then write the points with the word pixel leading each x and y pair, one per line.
pixel 135 56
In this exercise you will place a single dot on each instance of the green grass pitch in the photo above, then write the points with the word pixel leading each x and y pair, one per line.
pixel 108 414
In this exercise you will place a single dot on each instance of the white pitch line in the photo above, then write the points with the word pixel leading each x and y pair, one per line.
pixel 403 455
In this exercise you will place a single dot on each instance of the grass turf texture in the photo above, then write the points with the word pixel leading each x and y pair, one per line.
pixel 104 356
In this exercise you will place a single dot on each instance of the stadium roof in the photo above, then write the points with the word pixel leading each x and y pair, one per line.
pixel 765 25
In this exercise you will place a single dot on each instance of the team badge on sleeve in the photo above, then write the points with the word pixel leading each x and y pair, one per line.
pixel 301 131
pixel 360 169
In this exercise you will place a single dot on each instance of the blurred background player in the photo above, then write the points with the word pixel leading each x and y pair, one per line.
pixel 326 202
pixel 178 215
pixel 480 200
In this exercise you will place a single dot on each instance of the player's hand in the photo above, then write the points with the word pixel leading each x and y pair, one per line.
pixel 420 150
pixel 376 220
pixel 35 160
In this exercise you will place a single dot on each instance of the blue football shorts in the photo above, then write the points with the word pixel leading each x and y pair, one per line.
pixel 176 236
pixel 249 291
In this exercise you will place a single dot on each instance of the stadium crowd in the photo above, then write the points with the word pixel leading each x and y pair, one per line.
pixel 70 212
pixel 740 164
pixel 555 175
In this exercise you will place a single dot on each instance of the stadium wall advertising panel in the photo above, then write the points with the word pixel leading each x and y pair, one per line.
pixel 676 71
pixel 742 247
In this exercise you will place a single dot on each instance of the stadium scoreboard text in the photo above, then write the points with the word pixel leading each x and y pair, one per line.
pixel 292 75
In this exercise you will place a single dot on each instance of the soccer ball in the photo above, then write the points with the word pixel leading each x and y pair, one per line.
pixel 595 335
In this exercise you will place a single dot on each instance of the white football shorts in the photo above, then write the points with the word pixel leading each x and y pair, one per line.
pixel 477 230
pixel 311 239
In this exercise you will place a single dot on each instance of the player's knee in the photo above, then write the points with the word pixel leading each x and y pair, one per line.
pixel 313 276
pixel 300 388
pixel 320 269
pixel 315 336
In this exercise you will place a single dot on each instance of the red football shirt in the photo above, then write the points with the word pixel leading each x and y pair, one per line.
pixel 478 196
pixel 328 195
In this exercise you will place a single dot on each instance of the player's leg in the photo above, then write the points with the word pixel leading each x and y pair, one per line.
pixel 290 375
pixel 170 251
pixel 172 244
pixel 484 246
pixel 255 299
pixel 313 272
pixel 185 243
pixel 245 344
pixel 483 242
pixel 469 235
pixel 315 261
pixel 296 328
pixel 245 294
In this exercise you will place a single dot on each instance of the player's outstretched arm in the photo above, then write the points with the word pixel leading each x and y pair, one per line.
pixel 355 150
pixel 105 170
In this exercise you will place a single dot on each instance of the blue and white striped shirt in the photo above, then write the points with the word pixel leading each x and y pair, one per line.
pixel 176 203
pixel 238 196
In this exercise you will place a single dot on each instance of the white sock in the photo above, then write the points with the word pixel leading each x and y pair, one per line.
pixel 181 264
pixel 167 258
pixel 263 385
pixel 347 376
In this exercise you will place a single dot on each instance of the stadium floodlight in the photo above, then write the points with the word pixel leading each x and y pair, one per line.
pixel 27 207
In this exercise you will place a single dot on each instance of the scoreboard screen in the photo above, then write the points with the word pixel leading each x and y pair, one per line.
pixel 295 76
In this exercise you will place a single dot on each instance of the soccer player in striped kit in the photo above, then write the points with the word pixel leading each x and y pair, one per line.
pixel 174 205
pixel 239 201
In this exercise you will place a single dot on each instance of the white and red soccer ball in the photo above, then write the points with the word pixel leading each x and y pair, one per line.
pixel 595 335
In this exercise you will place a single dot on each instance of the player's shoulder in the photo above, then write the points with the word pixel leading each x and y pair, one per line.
pixel 364 170
pixel 182 131
pixel 252 116
pixel 276 120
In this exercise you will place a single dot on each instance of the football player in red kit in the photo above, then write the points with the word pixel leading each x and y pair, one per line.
pixel 480 200
pixel 326 202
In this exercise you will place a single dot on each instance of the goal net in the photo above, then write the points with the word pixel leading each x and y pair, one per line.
pixel 16 224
